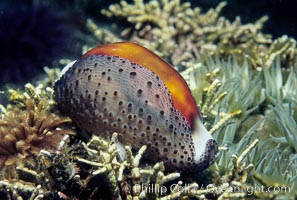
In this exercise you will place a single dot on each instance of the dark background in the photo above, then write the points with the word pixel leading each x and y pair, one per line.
pixel 34 34
pixel 282 13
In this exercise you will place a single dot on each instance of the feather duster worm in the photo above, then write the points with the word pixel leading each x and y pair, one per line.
pixel 23 133
pixel 125 88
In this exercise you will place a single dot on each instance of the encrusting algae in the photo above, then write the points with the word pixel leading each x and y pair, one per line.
pixel 250 113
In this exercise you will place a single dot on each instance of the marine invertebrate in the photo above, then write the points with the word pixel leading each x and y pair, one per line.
pixel 130 179
pixel 124 87
pixel 179 33
pixel 268 116
pixel 17 187
pixel 250 113
pixel 99 159
pixel 46 175
pixel 237 122
pixel 23 133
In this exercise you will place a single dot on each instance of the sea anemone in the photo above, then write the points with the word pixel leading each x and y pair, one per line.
pixel 23 133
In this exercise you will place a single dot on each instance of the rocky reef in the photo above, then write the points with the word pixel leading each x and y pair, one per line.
pixel 244 81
